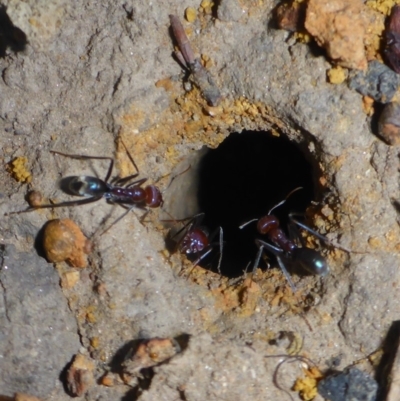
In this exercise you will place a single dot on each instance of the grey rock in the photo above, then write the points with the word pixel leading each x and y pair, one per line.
pixel 38 334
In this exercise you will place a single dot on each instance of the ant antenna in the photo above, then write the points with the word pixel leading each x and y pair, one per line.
pixel 273 207
pixel 284 200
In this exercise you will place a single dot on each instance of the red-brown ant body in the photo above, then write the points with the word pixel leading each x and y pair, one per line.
pixel 94 189
pixel 286 248
pixel 195 240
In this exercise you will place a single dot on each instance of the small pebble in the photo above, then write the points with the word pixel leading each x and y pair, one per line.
pixel 80 375
pixel 378 82
pixel 147 354
pixel 35 198
pixel 63 241
pixel 389 123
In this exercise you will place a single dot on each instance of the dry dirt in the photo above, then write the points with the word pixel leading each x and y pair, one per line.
pixel 95 72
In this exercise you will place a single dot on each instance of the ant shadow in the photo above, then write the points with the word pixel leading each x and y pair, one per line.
pixel 10 36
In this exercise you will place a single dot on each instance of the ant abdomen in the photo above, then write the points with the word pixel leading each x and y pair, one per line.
pixel 311 261
pixel 87 186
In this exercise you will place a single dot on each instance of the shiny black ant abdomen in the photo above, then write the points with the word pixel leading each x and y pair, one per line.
pixel 309 259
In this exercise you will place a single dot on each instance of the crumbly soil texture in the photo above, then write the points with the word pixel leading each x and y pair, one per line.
pixel 94 77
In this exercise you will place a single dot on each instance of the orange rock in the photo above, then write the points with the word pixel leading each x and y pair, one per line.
pixel 64 241
pixel 340 27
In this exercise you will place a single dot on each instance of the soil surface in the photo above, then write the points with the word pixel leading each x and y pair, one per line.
pixel 95 73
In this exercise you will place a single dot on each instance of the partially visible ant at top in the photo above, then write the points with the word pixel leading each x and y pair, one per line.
pixel 128 196
pixel 196 241
pixel 286 248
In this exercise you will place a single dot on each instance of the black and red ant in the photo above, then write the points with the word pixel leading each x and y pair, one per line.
pixel 194 240
pixel 93 188
pixel 286 249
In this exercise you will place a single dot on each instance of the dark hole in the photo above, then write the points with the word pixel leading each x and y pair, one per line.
pixel 242 179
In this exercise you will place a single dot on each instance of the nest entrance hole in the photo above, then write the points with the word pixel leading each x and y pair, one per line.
pixel 243 179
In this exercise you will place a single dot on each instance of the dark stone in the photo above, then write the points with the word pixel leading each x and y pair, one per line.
pixel 379 82
pixel 350 385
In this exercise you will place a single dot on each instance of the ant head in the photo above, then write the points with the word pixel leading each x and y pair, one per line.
pixel 195 241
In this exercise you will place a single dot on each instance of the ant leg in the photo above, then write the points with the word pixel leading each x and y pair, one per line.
pixel 200 258
pixel 192 222
pixel 318 235
pixel 221 249
pixel 130 156
pixel 220 242
pixel 123 181
pixel 83 157
pixel 62 204
pixel 118 219
pixel 137 183
pixel 278 253
pixel 286 273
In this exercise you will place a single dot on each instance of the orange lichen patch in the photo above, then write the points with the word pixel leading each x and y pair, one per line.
pixel 95 342
pixel 108 380
pixel 188 120
pixel 63 241
pixel 375 242
pixel 90 316
pixel 249 296
pixel 226 298
pixel 307 386
pixel 17 168
pixel 69 279
pixel 368 105
pixel 166 83
pixel 80 375
pixel 339 27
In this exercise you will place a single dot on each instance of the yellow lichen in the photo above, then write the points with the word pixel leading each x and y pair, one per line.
pixel 302 37
pixel 337 75
pixel 383 6
pixel 18 169
pixel 307 386
pixel 190 14
pixel 206 7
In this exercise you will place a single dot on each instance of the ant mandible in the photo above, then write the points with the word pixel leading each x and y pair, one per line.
pixel 94 189
pixel 195 239
pixel 286 249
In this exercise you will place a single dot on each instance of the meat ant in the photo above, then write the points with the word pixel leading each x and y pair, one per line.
pixel 195 240
pixel 93 188
pixel 286 249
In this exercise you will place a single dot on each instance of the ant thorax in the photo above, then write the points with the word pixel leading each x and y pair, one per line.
pixel 87 186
